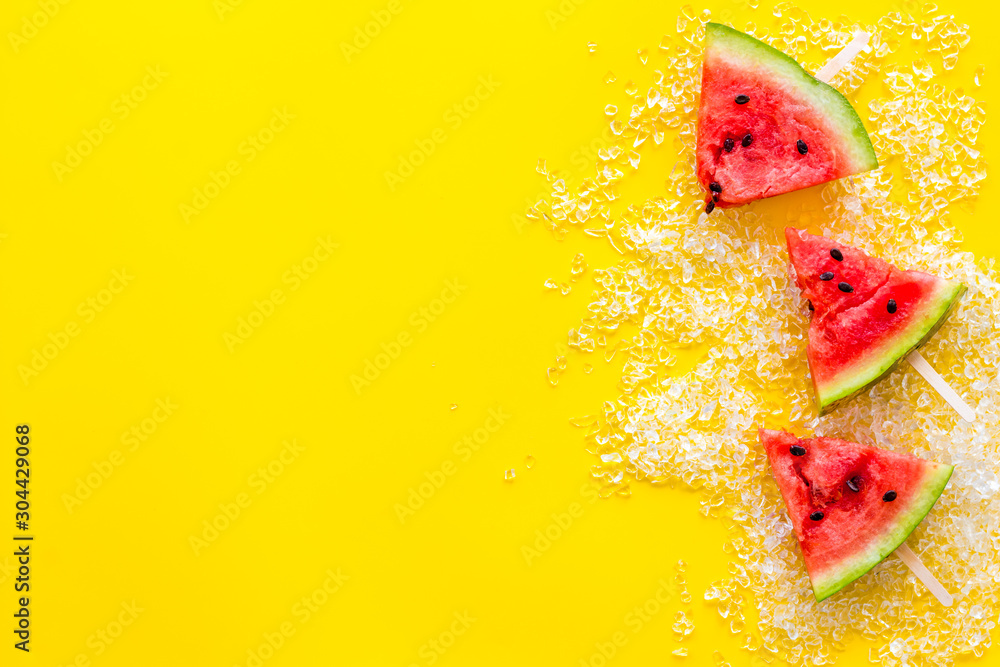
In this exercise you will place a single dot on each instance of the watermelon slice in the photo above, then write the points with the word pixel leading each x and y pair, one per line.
pixel 851 505
pixel 868 314
pixel 766 126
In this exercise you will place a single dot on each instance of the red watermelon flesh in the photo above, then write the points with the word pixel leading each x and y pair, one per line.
pixel 847 483
pixel 787 111
pixel 856 337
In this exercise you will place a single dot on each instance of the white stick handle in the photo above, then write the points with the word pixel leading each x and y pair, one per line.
pixel 942 387
pixel 924 575
pixel 846 55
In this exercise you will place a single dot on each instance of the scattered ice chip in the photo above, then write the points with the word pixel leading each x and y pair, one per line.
pixel 682 626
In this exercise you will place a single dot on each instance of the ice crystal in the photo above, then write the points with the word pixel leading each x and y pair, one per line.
pixel 682 626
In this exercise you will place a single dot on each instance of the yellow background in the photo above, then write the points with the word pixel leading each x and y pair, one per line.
pixel 163 335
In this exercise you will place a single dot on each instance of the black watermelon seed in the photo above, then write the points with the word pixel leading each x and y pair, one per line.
pixel 796 450
pixel 801 145
pixel 715 196
pixel 889 496
pixel 728 145
pixel 747 140
pixel 837 255
pixel 891 306
pixel 811 307
pixel 742 99
pixel 844 287
pixel 710 207
pixel 816 516
pixel 828 275
pixel 854 484
pixel 715 187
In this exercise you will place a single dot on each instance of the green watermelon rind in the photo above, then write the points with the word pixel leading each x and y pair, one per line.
pixel 824 96
pixel 856 380
pixel 853 568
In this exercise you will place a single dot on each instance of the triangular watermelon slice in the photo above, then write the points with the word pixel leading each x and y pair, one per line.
pixel 851 505
pixel 868 314
pixel 766 126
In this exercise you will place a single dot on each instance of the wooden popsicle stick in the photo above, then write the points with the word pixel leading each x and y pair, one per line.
pixel 846 55
pixel 924 575
pixel 942 387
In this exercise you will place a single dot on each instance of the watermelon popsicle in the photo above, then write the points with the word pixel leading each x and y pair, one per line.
pixel 766 126
pixel 851 505
pixel 867 314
